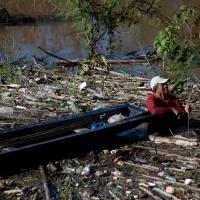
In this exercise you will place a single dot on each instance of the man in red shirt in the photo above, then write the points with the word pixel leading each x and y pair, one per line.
pixel 167 109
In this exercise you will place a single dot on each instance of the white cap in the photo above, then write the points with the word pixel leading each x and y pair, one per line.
pixel 157 79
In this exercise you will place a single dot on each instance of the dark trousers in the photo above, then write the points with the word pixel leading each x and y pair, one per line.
pixel 164 123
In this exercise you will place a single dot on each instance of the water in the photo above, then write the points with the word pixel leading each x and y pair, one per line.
pixel 57 35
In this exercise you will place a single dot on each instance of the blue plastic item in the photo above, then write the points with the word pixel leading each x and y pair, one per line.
pixel 95 125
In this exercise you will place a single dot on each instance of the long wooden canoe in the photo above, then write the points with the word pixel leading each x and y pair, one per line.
pixel 46 140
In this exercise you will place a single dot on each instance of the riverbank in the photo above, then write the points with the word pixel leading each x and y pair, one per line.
pixel 116 169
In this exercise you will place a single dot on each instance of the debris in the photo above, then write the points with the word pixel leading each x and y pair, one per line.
pixel 149 193
pixel 73 107
pixel 116 118
pixel 45 183
pixel 88 192
pixel 189 181
pixel 117 173
pixel 99 173
pixel 173 190
pixel 165 193
pixel 15 191
pixel 83 85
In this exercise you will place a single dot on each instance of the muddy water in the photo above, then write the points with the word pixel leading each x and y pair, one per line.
pixel 57 35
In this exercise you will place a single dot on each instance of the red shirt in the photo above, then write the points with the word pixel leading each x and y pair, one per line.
pixel 158 107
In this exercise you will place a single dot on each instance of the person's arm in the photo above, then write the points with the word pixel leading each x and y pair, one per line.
pixel 179 106
pixel 155 109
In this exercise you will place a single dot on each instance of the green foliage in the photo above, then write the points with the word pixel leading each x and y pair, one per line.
pixel 98 20
pixel 7 70
pixel 166 42
pixel 92 61
pixel 94 19
pixel 185 15
pixel 176 51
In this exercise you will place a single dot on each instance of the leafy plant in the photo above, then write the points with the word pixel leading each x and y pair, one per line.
pixel 7 71
pixel 98 20
pixel 175 51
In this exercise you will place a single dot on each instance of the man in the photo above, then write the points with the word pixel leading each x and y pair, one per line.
pixel 167 109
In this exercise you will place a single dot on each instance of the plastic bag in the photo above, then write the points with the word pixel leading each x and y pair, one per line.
pixel 73 107
pixel 95 125
pixel 116 118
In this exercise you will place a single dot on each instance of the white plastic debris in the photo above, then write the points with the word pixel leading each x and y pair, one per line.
pixel 37 79
pixel 151 184
pixel 99 173
pixel 83 85
pixel 116 118
pixel 105 151
pixel 14 85
pixel 113 151
pixel 65 82
pixel 80 129
pixel 109 184
pixel 6 111
pixel 85 171
pixel 68 170
pixel 79 170
pixel 189 181
pixel 100 106
pixel 12 191
pixel 161 174
pixel 128 192
pixel 30 97
pixel 21 107
pixel 73 107
pixel 6 95
pixel 117 173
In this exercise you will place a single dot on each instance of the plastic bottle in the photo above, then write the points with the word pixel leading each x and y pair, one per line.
pixel 173 190
pixel 171 178
pixel 117 173
pixel 160 183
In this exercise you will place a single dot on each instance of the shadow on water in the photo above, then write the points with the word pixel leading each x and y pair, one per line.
pixel 29 20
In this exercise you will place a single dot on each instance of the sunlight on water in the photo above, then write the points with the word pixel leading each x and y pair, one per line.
pixel 57 35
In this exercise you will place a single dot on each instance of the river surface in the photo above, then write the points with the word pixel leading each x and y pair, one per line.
pixel 57 35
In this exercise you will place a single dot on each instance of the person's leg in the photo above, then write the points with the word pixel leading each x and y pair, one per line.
pixel 160 126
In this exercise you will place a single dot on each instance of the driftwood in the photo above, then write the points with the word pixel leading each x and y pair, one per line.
pixel 175 183
pixel 58 57
pixel 45 182
pixel 149 167
pixel 171 196
pixel 149 193
pixel 113 62
pixel 167 154
pixel 172 140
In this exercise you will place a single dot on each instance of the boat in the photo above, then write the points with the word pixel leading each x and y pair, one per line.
pixel 44 140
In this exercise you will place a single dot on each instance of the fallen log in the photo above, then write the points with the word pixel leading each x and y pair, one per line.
pixel 180 142
pixel 174 183
pixel 45 182
pixel 149 167
pixel 171 155
pixel 114 62
pixel 149 193
pixel 171 196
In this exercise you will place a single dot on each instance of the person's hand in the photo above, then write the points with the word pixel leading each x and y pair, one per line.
pixel 175 111
pixel 187 108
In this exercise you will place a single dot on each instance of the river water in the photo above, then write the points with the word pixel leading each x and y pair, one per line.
pixel 57 35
